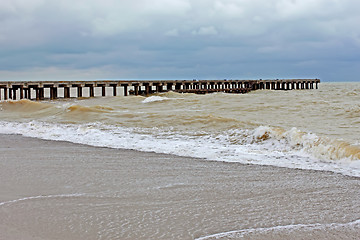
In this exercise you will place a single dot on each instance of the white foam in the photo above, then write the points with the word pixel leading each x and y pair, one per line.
pixel 287 228
pixel 264 145
pixel 154 99
pixel 310 144
pixel 40 197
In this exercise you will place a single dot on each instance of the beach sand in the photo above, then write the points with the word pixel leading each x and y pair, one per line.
pixel 60 190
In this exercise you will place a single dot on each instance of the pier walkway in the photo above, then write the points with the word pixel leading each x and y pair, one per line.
pixel 65 89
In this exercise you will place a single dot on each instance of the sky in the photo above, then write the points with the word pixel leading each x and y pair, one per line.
pixel 179 39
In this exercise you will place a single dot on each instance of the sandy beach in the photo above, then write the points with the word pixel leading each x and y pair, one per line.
pixel 60 190
pixel 179 119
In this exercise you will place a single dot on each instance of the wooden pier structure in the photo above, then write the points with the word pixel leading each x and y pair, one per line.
pixel 65 89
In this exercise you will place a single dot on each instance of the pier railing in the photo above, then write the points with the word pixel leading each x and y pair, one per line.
pixel 66 89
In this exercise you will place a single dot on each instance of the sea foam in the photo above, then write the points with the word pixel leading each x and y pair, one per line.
pixel 288 229
pixel 263 145
pixel 154 99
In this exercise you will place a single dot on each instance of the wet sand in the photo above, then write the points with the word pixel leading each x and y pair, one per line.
pixel 60 190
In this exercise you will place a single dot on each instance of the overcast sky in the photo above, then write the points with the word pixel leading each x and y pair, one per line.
pixel 179 39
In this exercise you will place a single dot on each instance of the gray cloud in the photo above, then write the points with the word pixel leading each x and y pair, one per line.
pixel 179 39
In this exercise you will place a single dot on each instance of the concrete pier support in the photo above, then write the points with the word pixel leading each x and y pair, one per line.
pixel 21 92
pixel 159 88
pixel 41 94
pixel 53 93
pixel 178 86
pixel 91 91
pixel 10 93
pixel 14 93
pixel 114 90
pixel 103 91
pixel 125 90
pixel 169 86
pixel 136 89
pixel 45 89
pixel 37 93
pixel 66 92
pixel 5 93
pixel 79 91
pixel 147 89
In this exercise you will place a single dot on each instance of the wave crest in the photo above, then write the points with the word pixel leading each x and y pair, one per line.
pixel 24 105
pixel 154 99
pixel 320 147
pixel 263 145
pixel 84 109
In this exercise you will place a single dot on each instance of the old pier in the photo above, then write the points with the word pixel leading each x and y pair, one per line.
pixel 65 89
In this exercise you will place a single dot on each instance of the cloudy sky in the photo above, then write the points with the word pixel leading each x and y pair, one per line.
pixel 179 39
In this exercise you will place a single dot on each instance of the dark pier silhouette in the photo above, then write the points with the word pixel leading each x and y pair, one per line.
pixel 39 90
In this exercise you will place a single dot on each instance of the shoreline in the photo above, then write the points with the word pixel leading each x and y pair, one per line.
pixel 179 156
pixel 160 196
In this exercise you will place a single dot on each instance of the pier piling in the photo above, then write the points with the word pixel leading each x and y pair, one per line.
pixel 21 90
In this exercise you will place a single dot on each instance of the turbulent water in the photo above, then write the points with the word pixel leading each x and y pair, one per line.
pixel 59 190
pixel 306 129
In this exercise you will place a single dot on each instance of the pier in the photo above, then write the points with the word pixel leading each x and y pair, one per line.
pixel 39 90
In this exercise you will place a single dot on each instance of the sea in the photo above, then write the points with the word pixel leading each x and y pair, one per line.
pixel 313 133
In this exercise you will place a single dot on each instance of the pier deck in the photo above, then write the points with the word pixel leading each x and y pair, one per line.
pixel 65 89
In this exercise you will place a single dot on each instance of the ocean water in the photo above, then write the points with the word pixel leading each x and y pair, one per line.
pixel 304 129
pixel 262 165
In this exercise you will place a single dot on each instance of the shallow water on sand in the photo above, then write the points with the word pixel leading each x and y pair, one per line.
pixel 59 190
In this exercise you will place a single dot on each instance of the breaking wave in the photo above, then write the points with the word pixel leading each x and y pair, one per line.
pixel 24 105
pixel 263 145
pixel 320 147
pixel 154 99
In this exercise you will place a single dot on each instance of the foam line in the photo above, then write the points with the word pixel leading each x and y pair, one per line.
pixel 41 197
pixel 263 145
pixel 243 232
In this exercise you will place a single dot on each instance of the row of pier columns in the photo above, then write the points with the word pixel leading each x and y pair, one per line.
pixel 21 90
pixel 38 93
pixel 147 89
pixel 288 85
pixel 250 85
